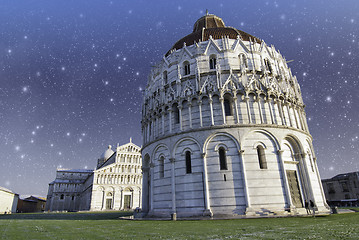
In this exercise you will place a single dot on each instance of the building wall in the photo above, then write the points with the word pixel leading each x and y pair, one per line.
pixel 65 192
pixel 342 188
pixel 8 202
pixel 239 105
pixel 117 179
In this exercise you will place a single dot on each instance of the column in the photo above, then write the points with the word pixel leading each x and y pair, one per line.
pixel 170 119
pixel 269 101
pixel 248 109
pixel 131 204
pixel 248 202
pixel 285 179
pixel 173 184
pixel 258 100
pixel 281 114
pixel 290 119
pixel 103 200
pixel 180 116
pixel 113 199
pixel 295 117
pixel 305 176
pixel 190 113
pixel 200 112
pixel 163 121
pixel 121 200
pixel 151 185
pixel 236 107
pixel 207 210
pixel 211 108
pixel 223 110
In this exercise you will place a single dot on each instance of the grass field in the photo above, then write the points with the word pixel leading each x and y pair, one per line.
pixel 106 225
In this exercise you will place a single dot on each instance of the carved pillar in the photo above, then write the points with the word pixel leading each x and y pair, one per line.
pixel 248 109
pixel 258 100
pixel 211 108
pixel 173 184
pixel 113 200
pixel 269 101
pixel 223 110
pixel 103 200
pixel 151 185
pixel 207 204
pixel 170 119
pixel 180 116
pixel 190 113
pixel 148 131
pixel 290 119
pixel 245 187
pixel 304 174
pixel 200 113
pixel 236 107
pixel 121 199
pixel 281 114
pixel 285 179
pixel 163 121
pixel 295 116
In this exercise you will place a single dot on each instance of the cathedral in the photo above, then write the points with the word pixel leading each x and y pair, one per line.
pixel 115 184
pixel 225 131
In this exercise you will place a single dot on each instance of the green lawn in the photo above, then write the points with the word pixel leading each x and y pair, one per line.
pixel 102 225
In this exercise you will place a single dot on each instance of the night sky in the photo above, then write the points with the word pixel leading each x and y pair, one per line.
pixel 72 75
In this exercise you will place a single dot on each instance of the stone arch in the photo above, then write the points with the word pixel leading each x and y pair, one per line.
pixel 220 145
pixel 264 165
pixel 157 148
pixel 182 140
pixel 265 132
pixel 295 144
pixel 259 143
pixel 205 145
pixel 224 171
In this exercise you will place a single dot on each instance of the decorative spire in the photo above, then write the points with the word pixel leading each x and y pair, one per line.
pixel 130 139
pixel 207 12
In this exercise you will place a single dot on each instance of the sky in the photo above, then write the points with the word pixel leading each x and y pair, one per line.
pixel 72 75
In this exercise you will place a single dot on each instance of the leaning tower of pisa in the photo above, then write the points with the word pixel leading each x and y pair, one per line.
pixel 224 130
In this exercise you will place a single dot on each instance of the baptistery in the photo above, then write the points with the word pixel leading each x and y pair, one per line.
pixel 225 131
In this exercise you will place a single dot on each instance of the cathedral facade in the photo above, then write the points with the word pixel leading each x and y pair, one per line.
pixel 225 131
pixel 115 184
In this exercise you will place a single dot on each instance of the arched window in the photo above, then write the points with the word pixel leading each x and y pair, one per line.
pixel 212 62
pixel 161 165
pixel 222 159
pixel 268 65
pixel 261 157
pixel 187 69
pixel 188 162
pixel 176 113
pixel 62 196
pixel 228 106
pixel 243 61
pixel 165 77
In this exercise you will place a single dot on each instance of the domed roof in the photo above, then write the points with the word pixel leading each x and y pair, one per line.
pixel 107 154
pixel 211 25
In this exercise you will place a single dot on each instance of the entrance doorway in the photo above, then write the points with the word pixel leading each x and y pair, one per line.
pixel 108 203
pixel 127 202
pixel 294 188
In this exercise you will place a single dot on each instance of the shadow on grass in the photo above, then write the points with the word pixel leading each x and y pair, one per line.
pixel 67 216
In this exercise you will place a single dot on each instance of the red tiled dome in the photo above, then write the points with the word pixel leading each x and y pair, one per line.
pixel 211 25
